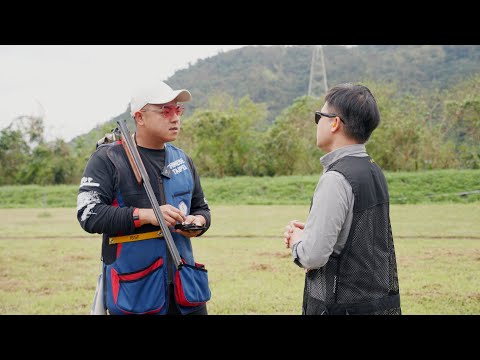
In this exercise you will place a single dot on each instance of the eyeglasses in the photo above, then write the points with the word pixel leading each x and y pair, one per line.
pixel 319 114
pixel 167 111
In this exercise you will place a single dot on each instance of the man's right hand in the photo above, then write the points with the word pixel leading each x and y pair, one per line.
pixel 170 213
pixel 289 229
pixel 297 224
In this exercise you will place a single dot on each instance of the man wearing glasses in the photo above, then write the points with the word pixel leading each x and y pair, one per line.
pixel 346 244
pixel 138 271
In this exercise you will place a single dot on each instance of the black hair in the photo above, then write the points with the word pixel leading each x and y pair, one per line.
pixel 356 106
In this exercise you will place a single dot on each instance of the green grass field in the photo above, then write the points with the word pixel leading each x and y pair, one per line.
pixel 49 265
pixel 421 187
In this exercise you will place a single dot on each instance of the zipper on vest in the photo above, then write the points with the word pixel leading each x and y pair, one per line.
pixel 337 271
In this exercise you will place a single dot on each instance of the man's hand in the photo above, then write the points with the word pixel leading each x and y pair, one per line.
pixel 170 213
pixel 292 233
pixel 192 219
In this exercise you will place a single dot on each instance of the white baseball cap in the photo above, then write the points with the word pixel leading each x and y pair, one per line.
pixel 161 93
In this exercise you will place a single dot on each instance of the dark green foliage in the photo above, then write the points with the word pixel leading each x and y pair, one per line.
pixel 461 121
pixel 291 140
pixel 237 136
pixel 14 152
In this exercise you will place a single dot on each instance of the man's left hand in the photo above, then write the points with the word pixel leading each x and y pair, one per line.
pixel 192 219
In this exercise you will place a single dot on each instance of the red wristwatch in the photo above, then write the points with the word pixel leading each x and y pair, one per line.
pixel 136 218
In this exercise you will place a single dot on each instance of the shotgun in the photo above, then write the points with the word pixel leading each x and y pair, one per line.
pixel 142 177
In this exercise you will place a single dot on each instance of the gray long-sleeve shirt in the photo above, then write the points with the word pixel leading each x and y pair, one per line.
pixel 330 218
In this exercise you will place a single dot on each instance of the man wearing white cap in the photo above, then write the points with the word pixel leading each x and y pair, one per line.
pixel 139 276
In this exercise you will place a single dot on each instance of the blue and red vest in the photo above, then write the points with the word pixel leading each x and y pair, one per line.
pixel 137 277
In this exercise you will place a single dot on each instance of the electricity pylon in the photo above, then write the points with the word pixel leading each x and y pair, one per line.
pixel 317 59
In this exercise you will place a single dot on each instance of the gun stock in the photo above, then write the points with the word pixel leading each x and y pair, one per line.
pixel 138 176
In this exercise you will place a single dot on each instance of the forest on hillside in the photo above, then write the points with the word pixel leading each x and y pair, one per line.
pixel 277 75
pixel 251 114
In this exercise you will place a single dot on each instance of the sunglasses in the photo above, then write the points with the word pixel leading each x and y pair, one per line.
pixel 167 111
pixel 319 114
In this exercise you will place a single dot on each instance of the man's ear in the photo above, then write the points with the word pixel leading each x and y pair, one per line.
pixel 335 123
pixel 138 118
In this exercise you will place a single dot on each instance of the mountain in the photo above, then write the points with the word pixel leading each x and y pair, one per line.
pixel 278 74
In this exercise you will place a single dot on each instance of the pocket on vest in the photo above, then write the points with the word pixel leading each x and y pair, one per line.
pixel 191 285
pixel 182 200
pixel 314 306
pixel 138 292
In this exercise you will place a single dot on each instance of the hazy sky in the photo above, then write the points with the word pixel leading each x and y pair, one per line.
pixel 76 87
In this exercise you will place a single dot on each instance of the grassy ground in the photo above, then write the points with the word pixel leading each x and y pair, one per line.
pixel 435 186
pixel 49 265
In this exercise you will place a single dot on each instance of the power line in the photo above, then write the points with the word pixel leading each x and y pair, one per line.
pixel 318 58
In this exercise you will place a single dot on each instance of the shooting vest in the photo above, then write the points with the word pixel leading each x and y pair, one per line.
pixel 362 279
pixel 137 274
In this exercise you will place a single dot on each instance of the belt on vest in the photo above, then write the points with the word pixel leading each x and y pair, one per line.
pixel 135 237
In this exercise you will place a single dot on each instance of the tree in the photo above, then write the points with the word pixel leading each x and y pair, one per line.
pixel 461 121
pixel 223 139
pixel 291 140
pixel 14 151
